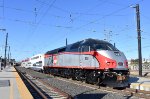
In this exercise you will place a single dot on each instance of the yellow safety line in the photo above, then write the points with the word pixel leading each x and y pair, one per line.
pixel 24 92
pixel 11 90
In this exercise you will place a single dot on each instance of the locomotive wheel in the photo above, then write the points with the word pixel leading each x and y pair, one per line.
pixel 92 78
pixel 77 75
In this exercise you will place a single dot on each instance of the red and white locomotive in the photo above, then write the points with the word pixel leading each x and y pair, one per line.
pixel 91 60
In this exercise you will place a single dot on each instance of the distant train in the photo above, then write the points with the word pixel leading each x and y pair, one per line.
pixel 36 62
pixel 90 60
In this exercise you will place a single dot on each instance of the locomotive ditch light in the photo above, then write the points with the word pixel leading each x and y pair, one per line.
pixel 126 63
pixel 107 63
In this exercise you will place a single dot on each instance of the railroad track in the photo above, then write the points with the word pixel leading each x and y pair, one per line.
pixel 41 89
pixel 125 91
pixel 79 90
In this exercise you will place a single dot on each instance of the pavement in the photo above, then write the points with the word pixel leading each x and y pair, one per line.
pixel 141 83
pixel 12 86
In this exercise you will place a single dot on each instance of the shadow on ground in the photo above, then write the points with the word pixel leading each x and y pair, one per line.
pixel 133 79
pixel 91 96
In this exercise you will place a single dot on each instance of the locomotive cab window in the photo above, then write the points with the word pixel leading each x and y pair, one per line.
pixel 75 47
pixel 105 46
pixel 86 48
pixel 62 50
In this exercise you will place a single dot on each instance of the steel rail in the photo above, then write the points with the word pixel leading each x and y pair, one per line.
pixel 32 85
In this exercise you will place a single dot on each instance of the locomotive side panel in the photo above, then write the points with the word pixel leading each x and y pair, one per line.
pixel 89 61
pixel 48 61
pixel 76 61
pixel 68 60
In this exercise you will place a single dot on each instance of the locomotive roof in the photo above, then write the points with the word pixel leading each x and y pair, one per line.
pixel 88 41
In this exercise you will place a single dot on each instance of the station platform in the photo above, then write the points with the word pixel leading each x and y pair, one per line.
pixel 141 83
pixel 12 86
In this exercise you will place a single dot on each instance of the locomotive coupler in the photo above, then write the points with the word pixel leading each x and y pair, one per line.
pixel 120 78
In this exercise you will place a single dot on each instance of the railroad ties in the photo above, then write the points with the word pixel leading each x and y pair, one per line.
pixel 63 88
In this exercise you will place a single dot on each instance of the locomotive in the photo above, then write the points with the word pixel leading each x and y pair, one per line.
pixel 91 60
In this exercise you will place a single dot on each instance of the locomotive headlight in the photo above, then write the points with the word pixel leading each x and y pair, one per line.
pixel 126 63
pixel 107 63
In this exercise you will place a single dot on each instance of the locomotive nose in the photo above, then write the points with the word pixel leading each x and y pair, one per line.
pixel 115 59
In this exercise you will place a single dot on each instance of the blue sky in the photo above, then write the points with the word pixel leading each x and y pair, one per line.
pixel 36 26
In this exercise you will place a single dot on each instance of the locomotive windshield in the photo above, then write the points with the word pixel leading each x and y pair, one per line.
pixel 98 45
pixel 105 46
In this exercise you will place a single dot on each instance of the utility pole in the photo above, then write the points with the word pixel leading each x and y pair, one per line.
pixel 139 39
pixel 5 50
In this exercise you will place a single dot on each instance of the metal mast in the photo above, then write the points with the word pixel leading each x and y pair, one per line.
pixel 139 39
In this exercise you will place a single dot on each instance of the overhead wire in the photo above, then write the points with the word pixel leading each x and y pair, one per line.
pixel 39 13
pixel 39 22
pixel 42 17
pixel 91 22
pixel 77 13
pixel 3 8
pixel 88 10
pixel 110 14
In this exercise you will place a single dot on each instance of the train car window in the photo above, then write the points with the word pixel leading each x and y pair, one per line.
pixel 40 61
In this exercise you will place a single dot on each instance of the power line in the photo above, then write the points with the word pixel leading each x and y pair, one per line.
pixel 91 9
pixel 44 15
pixel 37 12
pixel 102 17
pixel 17 9
pixel 131 50
pixel 110 14
pixel 3 8
pixel 146 17
pixel 77 13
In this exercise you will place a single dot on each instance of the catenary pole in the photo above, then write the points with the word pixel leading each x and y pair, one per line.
pixel 5 50
pixel 139 39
